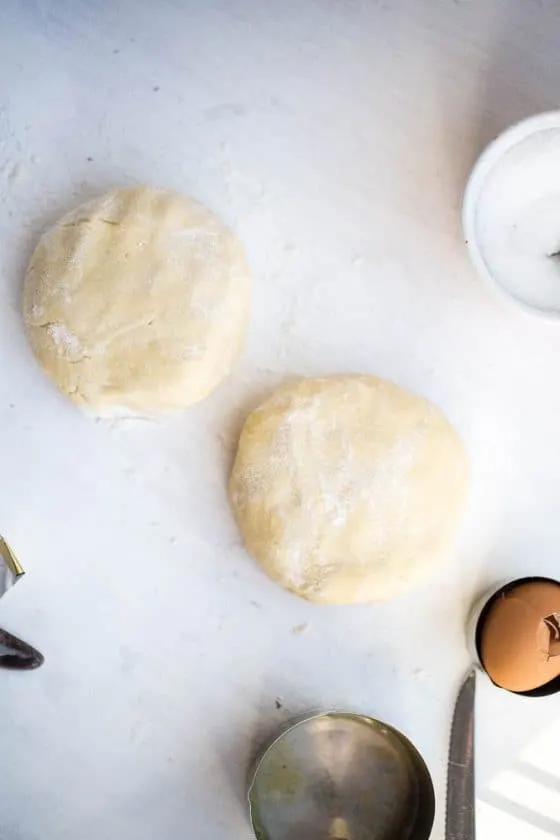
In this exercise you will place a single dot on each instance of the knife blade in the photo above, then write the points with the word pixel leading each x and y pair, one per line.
pixel 460 808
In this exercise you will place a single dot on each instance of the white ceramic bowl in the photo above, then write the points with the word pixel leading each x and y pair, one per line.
pixel 486 163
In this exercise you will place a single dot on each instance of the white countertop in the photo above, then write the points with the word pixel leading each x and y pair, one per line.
pixel 335 137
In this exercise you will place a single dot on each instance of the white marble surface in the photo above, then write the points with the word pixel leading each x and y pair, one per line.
pixel 335 137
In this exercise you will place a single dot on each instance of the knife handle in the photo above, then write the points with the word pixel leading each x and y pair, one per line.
pixel 18 655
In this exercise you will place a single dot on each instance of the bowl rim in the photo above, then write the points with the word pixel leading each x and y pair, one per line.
pixel 484 164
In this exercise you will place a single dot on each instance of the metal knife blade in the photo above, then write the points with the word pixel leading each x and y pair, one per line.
pixel 460 809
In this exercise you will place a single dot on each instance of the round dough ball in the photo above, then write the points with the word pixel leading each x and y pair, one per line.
pixel 348 489
pixel 137 302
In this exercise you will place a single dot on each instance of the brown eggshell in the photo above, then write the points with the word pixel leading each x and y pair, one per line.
pixel 516 646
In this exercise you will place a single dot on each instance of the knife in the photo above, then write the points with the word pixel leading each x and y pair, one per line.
pixel 18 655
pixel 14 653
pixel 460 815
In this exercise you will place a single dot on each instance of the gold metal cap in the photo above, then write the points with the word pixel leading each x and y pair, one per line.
pixel 11 569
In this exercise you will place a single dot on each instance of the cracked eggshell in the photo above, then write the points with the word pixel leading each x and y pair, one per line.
pixel 519 634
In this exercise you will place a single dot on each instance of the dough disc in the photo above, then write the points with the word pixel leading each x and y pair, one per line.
pixel 348 489
pixel 137 302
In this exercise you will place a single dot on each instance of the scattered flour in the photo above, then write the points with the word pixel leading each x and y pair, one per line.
pixel 66 342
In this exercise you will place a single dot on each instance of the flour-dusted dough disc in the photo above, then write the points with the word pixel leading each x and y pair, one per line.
pixel 137 302
pixel 348 489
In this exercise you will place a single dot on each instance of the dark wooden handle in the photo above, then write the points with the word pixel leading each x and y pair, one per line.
pixel 18 655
